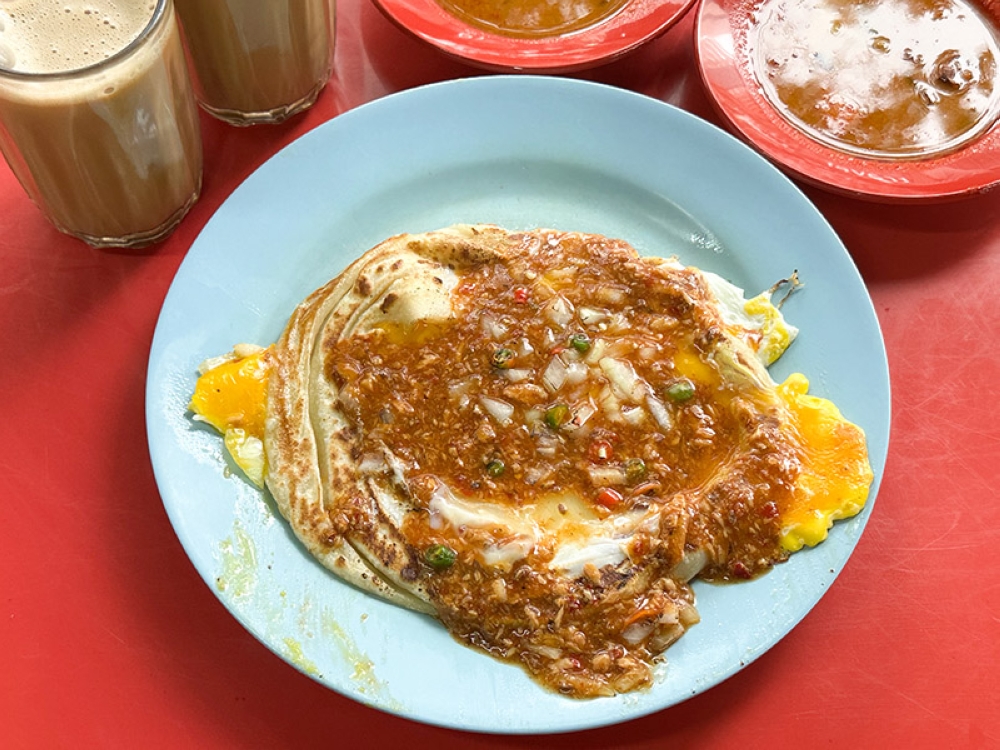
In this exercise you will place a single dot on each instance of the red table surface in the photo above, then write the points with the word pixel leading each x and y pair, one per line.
pixel 108 637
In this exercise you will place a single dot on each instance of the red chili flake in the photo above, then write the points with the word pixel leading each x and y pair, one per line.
pixel 739 570
pixel 520 295
pixel 609 497
pixel 600 450
pixel 769 509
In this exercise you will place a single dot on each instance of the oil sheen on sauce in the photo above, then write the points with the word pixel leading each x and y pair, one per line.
pixel 532 18
pixel 885 79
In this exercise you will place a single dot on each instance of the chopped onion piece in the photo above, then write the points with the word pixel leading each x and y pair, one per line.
pixel 606 476
pixel 550 652
pixel 618 322
pixel 517 374
pixel 598 348
pixel 611 405
pixel 547 445
pixel 559 311
pixel 665 635
pixel 501 411
pixel 548 339
pixel 505 555
pixel 612 295
pixel 581 415
pixel 576 372
pixel 373 463
pixel 624 381
pixel 589 316
pixel 637 631
pixel 536 474
pixel 618 348
pixel 554 375
pixel 493 327
pixel 660 412
pixel 690 565
pixel 460 388
pixel 634 415
pixel 560 276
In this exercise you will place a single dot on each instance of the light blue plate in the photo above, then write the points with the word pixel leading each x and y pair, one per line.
pixel 521 152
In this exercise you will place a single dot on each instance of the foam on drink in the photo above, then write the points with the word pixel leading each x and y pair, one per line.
pixel 37 37
pixel 97 117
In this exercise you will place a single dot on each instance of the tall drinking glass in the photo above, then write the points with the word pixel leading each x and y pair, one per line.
pixel 98 120
pixel 258 61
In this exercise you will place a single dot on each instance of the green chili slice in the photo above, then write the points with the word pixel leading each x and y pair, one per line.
pixel 502 357
pixel 681 390
pixel 556 416
pixel 580 342
pixel 439 556
pixel 635 470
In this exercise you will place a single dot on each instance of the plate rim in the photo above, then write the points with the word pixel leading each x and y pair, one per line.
pixel 460 87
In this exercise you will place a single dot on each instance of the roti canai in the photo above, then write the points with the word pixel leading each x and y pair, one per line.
pixel 541 438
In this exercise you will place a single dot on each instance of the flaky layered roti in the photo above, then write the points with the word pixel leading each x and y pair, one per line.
pixel 346 510
pixel 538 437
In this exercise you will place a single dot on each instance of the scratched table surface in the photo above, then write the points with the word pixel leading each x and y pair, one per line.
pixel 109 637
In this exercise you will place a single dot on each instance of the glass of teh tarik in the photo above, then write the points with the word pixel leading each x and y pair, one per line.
pixel 258 61
pixel 98 118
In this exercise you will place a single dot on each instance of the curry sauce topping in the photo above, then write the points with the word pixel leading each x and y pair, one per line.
pixel 575 448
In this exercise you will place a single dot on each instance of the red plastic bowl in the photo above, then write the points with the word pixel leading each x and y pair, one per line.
pixel 638 22
pixel 727 70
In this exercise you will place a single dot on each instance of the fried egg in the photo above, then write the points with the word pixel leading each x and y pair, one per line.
pixel 231 392
pixel 231 396
pixel 540 438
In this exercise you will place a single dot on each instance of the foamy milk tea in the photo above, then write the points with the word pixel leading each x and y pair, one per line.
pixel 258 60
pixel 97 116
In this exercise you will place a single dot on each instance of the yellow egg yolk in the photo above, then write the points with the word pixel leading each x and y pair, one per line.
pixel 835 474
pixel 689 365
pixel 232 397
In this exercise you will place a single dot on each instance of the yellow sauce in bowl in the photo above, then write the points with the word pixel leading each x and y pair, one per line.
pixel 532 18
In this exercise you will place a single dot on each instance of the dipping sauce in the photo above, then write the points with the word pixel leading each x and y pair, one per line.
pixel 897 79
pixel 532 18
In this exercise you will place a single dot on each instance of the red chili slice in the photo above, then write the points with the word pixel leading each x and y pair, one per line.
pixel 601 451
pixel 609 498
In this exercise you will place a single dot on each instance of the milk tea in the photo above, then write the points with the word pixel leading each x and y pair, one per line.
pixel 258 60
pixel 97 116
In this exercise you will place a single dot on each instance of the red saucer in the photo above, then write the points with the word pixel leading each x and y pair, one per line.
pixel 727 70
